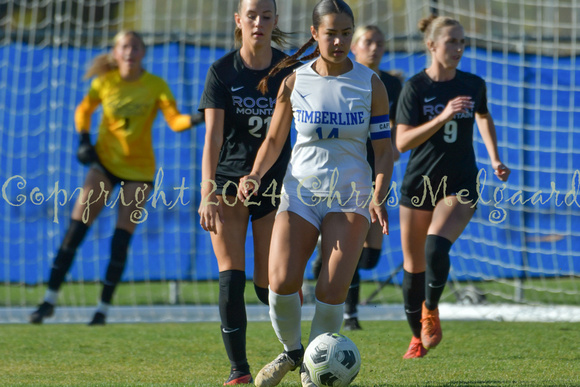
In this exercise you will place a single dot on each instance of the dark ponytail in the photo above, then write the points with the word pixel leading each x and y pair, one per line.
pixel 323 8
pixel 287 62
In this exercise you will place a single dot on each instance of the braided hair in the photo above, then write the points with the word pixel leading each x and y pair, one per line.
pixel 323 8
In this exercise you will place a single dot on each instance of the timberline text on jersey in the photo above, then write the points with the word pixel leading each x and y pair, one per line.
pixel 329 118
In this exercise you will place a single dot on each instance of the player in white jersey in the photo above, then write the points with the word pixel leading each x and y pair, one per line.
pixel 368 47
pixel 336 104
pixel 322 168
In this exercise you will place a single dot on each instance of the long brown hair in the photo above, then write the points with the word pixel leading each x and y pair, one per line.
pixel 323 8
pixel 104 63
pixel 278 36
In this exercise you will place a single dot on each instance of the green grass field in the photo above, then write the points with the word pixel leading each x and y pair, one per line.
pixel 471 354
pixel 560 291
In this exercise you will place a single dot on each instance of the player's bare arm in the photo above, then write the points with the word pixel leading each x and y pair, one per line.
pixel 209 210
pixel 383 150
pixel 409 137
pixel 488 133
pixel 274 141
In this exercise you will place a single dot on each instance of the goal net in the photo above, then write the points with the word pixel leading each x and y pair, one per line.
pixel 521 248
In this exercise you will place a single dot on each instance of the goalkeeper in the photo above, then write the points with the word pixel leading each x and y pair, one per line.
pixel 123 155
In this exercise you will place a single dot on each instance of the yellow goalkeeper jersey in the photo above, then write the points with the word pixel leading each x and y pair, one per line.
pixel 124 144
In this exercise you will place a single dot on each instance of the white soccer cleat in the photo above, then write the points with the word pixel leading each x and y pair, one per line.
pixel 273 372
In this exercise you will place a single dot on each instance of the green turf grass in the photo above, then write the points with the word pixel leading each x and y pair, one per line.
pixel 563 291
pixel 472 353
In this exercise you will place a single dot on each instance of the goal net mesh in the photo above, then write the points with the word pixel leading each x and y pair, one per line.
pixel 522 246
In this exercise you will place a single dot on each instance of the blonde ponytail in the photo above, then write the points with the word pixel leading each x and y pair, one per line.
pixel 102 64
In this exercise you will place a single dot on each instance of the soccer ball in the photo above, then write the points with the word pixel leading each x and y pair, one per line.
pixel 332 359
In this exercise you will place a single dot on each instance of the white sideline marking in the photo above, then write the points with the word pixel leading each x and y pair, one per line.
pixel 510 312
pixel 209 313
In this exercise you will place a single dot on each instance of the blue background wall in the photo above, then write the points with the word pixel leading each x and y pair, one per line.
pixel 532 99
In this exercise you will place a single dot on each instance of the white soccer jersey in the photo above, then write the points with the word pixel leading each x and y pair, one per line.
pixel 332 116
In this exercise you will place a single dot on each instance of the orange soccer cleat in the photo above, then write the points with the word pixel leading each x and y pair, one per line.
pixel 415 350
pixel 431 333
pixel 239 378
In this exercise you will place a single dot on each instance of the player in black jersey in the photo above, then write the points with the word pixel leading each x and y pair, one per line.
pixel 368 47
pixel 435 116
pixel 237 117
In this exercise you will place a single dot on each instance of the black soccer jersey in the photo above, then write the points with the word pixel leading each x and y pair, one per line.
pixel 449 152
pixel 394 87
pixel 231 86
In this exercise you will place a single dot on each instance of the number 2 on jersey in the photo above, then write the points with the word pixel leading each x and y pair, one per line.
pixel 256 123
pixel 450 131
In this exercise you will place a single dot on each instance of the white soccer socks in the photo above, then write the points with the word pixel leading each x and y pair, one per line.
pixel 327 318
pixel 286 313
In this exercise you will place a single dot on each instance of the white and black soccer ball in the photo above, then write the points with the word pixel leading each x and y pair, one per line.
pixel 332 359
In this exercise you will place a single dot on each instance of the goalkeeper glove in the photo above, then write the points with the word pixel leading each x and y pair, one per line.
pixel 86 152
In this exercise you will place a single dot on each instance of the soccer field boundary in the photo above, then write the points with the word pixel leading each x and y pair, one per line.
pixel 210 313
